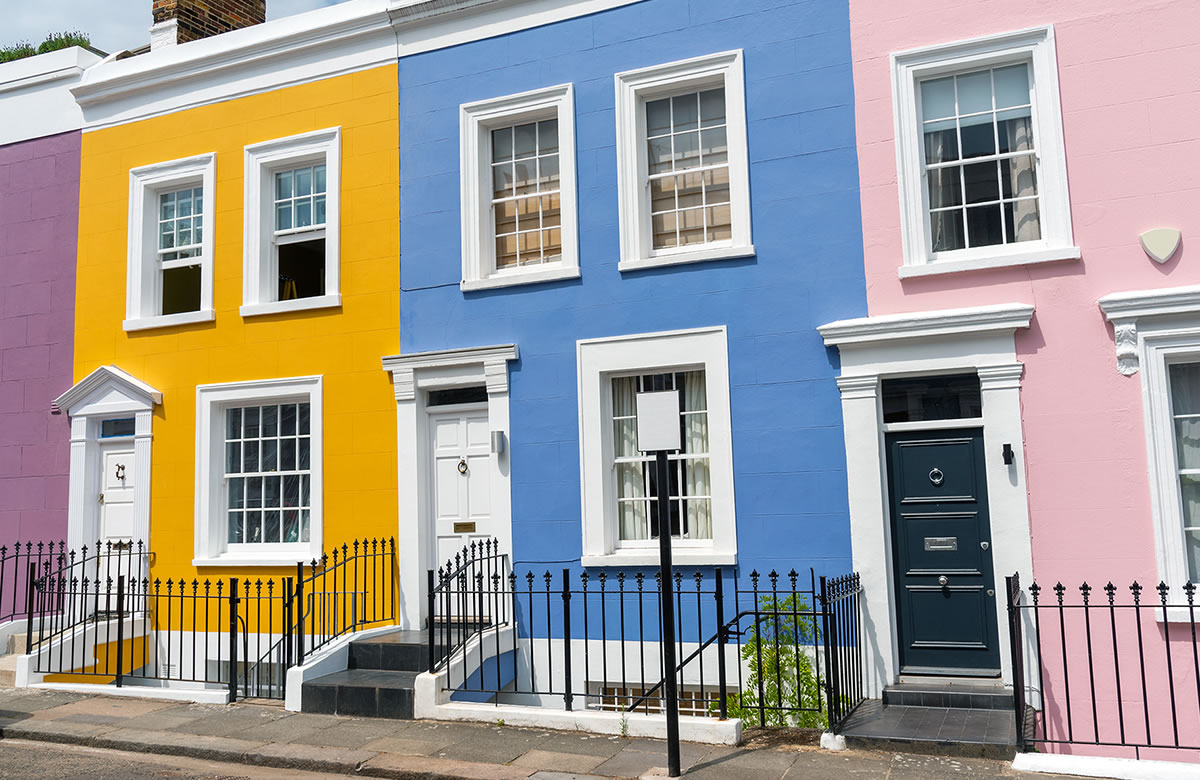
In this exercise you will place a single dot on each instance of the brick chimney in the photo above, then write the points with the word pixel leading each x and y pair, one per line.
pixel 180 21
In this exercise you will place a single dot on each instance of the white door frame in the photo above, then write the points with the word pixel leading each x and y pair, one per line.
pixel 979 340
pixel 106 393
pixel 413 376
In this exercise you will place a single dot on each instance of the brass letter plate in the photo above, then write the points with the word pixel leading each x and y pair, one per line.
pixel 469 528
pixel 941 543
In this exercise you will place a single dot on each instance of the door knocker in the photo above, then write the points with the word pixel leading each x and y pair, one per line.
pixel 121 471
pixel 462 465
pixel 936 476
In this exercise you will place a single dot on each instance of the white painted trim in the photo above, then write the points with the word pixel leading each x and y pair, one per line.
pixel 299 304
pixel 1102 766
pixel 210 523
pixel 476 121
pixel 1034 46
pixel 106 393
pixel 143 285
pixel 633 89
pixel 412 376
pixel 37 90
pixel 259 269
pixel 927 324
pixel 135 691
pixel 924 343
pixel 597 361
pixel 164 33
pixel 1006 260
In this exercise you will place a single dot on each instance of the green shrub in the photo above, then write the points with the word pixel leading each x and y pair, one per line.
pixel 788 681
pixel 53 42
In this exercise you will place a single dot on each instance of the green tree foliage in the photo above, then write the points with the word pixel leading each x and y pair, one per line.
pixel 783 629
pixel 53 42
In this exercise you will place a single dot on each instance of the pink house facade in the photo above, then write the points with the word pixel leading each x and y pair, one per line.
pixel 39 203
pixel 1026 172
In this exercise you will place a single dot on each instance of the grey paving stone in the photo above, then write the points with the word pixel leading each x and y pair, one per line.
pixel 496 745
pixel 309 757
pixel 747 764
pixel 53 731
pixel 392 765
pixel 232 720
pixel 547 761
pixel 584 744
pixel 176 744
pixel 356 733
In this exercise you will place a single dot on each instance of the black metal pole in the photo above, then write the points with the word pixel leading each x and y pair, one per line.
pixel 120 626
pixel 429 621
pixel 29 584
pixel 722 684
pixel 233 607
pixel 566 597
pixel 670 692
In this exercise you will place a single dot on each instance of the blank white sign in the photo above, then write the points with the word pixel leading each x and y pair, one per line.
pixel 658 421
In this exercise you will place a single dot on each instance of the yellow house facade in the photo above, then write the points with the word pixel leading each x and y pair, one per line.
pixel 238 281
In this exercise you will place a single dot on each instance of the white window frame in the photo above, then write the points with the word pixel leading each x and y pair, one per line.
pixel 634 89
pixel 1153 329
pixel 476 121
pixel 259 277
pixel 598 361
pixel 212 548
pixel 1034 47
pixel 143 289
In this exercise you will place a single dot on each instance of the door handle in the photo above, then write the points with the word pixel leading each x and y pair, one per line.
pixel 121 471
pixel 462 465
pixel 943 580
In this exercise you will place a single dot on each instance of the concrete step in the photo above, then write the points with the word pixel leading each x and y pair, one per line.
pixel 370 693
pixel 967 695
pixel 8 670
pixel 953 731
pixel 399 651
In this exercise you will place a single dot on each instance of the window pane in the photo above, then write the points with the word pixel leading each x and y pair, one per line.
pixel 253 532
pixel 1012 86
pixel 625 438
pixel 270 491
pixel 183 204
pixel 302 458
pixel 659 151
pixel 291 526
pixel 502 180
pixel 946 230
pixel 270 527
pixel 287 420
pixel 525 176
pixel 304 525
pixel 548 173
pixel 1015 130
pixel 919 399
pixel 630 480
pixel 181 289
pixel 937 98
pixel 982 182
pixel 664 230
pixel 166 206
pixel 502 144
pixel 690 192
pixel 233 424
pixel 270 453
pixel 250 422
pixel 720 223
pixel 235 528
pixel 716 186
pixel 236 489
pixel 713 146
pixel 1019 176
pixel 303 181
pixel 287 454
pixel 319 210
pixel 945 187
pixel 687 150
pixel 250 456
pixel 283 216
pixel 318 178
pixel 1187 442
pixel 548 136
pixel 1022 220
pixel 302 419
pixel 303 213
pixel 712 107
pixel 301 268
pixel 524 140
pixel 685 112
pixel 269 420
pixel 291 490
pixel 978 136
pixel 1185 387
pixel 983 225
pixel 658 117
pixel 975 92
pixel 233 458
pixel 283 185
pixel 253 492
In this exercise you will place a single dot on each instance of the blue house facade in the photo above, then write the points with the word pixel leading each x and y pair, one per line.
pixel 658 195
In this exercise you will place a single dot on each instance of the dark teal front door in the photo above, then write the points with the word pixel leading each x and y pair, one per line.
pixel 941 548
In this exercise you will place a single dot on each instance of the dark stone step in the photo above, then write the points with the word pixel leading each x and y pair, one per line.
pixel 399 651
pixel 962 696
pixel 370 693
pixel 985 733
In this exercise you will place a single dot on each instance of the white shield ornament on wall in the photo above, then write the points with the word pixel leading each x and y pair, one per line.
pixel 1161 243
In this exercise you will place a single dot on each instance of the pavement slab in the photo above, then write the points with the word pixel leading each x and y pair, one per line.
pixel 546 760
pixel 309 757
pixel 232 720
pixel 174 744
pixel 398 766
pixel 497 745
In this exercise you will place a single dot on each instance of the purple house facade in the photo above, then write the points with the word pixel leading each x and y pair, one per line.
pixel 39 200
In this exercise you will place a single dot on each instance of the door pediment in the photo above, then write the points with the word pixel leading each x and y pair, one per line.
pixel 108 390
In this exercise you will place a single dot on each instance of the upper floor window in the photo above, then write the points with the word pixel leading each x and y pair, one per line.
pixel 169 278
pixel 518 189
pixel 982 171
pixel 1184 381
pixel 292 224
pixel 682 162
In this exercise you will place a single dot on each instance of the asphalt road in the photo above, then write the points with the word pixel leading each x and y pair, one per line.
pixel 21 759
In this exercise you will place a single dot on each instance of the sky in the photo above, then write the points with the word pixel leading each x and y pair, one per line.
pixel 113 25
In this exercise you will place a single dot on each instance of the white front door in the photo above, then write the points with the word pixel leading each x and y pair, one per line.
pixel 461 489
pixel 117 480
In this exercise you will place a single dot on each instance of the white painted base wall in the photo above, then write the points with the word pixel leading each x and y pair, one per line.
pixel 1096 766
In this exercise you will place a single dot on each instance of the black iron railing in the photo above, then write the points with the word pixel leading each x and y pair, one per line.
pixel 1111 666
pixel 773 651
pixel 15 564
pixel 240 633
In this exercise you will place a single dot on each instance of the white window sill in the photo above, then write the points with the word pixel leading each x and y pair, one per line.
pixel 649 557
pixel 169 320
pixel 298 304
pixel 689 256
pixel 1174 614
pixel 245 560
pixel 1031 257
pixel 535 276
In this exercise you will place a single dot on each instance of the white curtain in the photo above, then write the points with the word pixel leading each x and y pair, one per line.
pixel 696 472
pixel 1026 223
pixel 630 480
